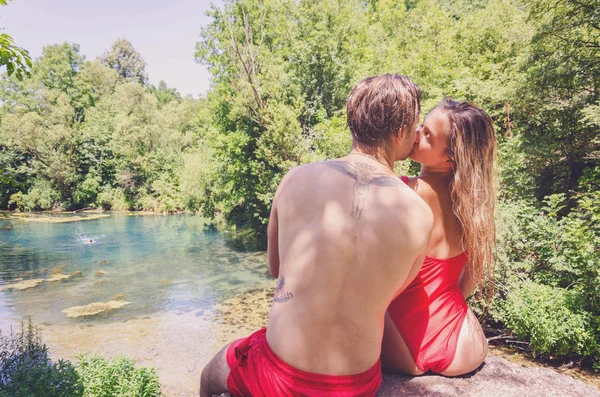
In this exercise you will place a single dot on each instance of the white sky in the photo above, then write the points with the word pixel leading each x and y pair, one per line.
pixel 164 32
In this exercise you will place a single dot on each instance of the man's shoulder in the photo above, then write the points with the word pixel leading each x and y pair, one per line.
pixel 297 174
pixel 308 169
pixel 416 212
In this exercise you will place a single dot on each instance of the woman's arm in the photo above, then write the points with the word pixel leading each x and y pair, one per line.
pixel 467 282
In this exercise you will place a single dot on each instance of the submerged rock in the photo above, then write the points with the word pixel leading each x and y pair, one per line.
pixel 94 308
pixel 24 284
pixel 249 309
pixel 58 277
pixel 58 270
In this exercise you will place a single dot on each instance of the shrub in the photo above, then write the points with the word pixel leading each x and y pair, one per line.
pixel 116 377
pixel 41 196
pixel 113 199
pixel 547 274
pixel 26 370
pixel 544 315
pixel 87 191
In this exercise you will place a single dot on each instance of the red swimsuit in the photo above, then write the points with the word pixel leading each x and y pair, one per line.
pixel 430 312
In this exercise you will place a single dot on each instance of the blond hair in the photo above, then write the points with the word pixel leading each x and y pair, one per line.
pixel 472 151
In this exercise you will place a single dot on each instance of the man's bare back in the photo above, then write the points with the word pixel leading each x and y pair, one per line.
pixel 345 237
pixel 350 236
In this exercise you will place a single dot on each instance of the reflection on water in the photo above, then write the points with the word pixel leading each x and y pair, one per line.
pixel 172 270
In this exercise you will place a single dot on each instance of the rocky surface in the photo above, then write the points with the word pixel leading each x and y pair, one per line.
pixel 496 377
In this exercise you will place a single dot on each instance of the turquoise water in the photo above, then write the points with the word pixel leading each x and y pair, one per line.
pixel 173 269
pixel 158 263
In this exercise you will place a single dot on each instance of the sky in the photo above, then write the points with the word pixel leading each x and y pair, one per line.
pixel 165 32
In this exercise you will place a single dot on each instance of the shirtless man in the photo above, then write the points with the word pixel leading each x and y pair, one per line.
pixel 345 237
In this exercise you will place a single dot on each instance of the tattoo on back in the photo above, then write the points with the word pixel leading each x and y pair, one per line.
pixel 364 176
pixel 280 295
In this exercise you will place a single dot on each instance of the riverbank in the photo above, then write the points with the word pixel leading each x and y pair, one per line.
pixel 179 344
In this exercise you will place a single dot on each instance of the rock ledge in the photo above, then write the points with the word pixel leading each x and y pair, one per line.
pixel 496 377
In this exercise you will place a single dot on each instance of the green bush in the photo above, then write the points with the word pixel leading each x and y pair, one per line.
pixel 547 276
pixel 116 377
pixel 87 191
pixel 26 370
pixel 41 196
pixel 113 199
pixel 545 316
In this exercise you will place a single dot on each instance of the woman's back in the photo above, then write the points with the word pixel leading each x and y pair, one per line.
pixel 434 189
pixel 431 310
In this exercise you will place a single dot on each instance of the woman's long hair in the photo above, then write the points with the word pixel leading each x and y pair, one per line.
pixel 472 151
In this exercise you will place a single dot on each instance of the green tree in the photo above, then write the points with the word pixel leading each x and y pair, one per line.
pixel 164 94
pixel 129 63
pixel 255 110
pixel 558 107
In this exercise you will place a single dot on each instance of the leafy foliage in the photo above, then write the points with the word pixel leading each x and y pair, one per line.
pixel 549 274
pixel 16 59
pixel 559 103
pixel 78 134
pixel 129 63
pixel 26 370
pixel 116 377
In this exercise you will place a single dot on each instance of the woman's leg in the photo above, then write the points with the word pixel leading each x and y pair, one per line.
pixel 471 349
pixel 395 355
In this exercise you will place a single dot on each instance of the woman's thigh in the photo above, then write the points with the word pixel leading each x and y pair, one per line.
pixel 395 355
pixel 471 349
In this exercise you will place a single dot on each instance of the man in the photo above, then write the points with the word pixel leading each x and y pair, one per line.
pixel 345 237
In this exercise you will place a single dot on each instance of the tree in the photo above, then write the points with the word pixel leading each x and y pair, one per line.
pixel 123 58
pixel 558 107
pixel 256 110
pixel 164 94
pixel 16 59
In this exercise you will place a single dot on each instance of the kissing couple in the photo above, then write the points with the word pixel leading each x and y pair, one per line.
pixel 374 269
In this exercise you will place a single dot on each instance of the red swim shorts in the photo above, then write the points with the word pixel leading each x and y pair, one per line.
pixel 257 372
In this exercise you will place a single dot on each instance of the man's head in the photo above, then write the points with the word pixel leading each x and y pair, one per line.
pixel 383 112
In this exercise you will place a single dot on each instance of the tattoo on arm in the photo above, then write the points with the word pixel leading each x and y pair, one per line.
pixel 280 295
pixel 364 177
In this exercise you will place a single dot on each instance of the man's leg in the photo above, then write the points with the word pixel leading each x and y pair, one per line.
pixel 214 376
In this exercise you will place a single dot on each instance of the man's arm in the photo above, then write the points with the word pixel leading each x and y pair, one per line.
pixel 421 233
pixel 273 242
pixel 273 228
pixel 414 270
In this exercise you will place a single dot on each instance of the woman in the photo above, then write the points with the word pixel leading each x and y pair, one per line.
pixel 429 326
